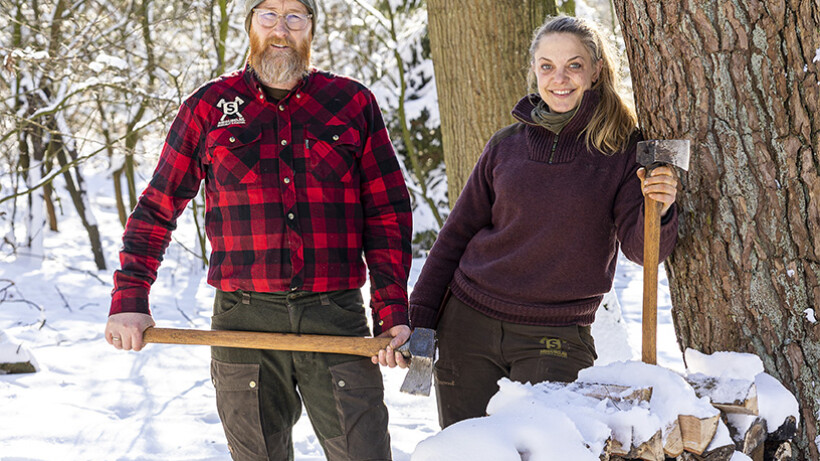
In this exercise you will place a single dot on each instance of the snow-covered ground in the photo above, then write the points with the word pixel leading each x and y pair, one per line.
pixel 92 402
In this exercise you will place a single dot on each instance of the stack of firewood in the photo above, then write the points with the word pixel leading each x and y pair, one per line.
pixel 735 426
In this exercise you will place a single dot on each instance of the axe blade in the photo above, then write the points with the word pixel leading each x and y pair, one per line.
pixel 664 152
pixel 421 349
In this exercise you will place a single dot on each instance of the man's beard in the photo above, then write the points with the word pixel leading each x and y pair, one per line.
pixel 279 67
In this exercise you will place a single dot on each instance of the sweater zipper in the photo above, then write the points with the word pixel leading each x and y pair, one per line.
pixel 554 145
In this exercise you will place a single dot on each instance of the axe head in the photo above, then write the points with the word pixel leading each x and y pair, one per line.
pixel 653 153
pixel 420 349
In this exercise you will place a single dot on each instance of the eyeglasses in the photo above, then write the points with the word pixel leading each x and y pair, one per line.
pixel 293 21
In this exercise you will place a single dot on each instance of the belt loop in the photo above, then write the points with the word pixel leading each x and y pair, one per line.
pixel 246 297
pixel 325 299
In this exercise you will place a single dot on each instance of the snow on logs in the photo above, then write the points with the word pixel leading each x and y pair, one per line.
pixel 14 357
pixel 723 406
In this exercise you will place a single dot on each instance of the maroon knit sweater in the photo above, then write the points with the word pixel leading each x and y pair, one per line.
pixel 534 235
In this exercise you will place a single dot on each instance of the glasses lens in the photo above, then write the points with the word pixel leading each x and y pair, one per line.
pixel 295 21
pixel 267 18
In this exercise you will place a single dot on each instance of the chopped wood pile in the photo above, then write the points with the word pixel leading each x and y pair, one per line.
pixel 710 438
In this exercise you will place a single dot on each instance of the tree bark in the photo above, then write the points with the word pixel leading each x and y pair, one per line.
pixel 740 80
pixel 480 57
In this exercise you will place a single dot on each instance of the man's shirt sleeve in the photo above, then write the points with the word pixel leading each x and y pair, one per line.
pixel 387 222
pixel 147 234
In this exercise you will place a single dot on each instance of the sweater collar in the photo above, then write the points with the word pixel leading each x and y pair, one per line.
pixel 523 110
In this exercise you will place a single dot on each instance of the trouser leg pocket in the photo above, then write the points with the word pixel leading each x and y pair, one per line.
pixel 359 394
pixel 237 401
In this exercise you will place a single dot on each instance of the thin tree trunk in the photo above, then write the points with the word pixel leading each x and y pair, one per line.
pixel 740 80
pixel 480 57
pixel 79 198
pixel 406 137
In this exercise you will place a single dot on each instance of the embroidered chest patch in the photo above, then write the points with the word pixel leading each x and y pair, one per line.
pixel 230 112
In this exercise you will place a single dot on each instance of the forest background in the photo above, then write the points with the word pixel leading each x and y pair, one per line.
pixel 89 88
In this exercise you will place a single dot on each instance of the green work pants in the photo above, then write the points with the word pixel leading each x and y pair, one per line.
pixel 259 392
pixel 475 351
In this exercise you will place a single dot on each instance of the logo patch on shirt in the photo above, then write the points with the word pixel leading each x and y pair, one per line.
pixel 230 109
pixel 553 346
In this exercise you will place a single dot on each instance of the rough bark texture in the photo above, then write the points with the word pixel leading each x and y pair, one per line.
pixel 740 79
pixel 480 56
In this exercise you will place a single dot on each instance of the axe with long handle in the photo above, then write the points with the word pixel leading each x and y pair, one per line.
pixel 419 348
pixel 652 154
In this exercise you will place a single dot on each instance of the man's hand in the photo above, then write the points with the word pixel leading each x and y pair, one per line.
pixel 661 186
pixel 124 330
pixel 388 357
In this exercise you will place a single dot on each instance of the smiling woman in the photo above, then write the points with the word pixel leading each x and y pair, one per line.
pixel 520 267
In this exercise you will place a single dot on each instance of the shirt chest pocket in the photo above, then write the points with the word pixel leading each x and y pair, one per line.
pixel 331 152
pixel 234 157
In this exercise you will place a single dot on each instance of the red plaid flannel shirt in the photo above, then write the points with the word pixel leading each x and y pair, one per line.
pixel 296 192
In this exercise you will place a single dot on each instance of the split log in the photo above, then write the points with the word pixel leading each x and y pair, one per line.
pixel 778 451
pixel 697 433
pixel 720 448
pixel 750 442
pixel 727 395
pixel 614 392
pixel 723 453
pixel 785 432
pixel 651 450
pixel 673 444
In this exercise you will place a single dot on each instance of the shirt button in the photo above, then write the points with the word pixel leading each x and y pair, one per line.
pixel 281 107
pixel 342 383
pixel 232 139
pixel 252 384
pixel 335 137
pixel 381 322
pixel 284 142
pixel 287 180
pixel 291 216
pixel 261 96
pixel 298 96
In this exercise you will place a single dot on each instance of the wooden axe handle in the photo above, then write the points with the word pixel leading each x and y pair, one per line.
pixel 353 345
pixel 651 239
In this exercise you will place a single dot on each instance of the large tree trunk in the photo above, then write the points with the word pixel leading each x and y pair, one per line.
pixel 480 56
pixel 740 79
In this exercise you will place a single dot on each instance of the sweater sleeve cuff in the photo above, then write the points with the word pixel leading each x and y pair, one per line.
pixel 388 317
pixel 670 214
pixel 422 317
pixel 129 300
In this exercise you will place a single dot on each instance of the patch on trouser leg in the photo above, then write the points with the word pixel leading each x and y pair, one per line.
pixel 237 401
pixel 359 393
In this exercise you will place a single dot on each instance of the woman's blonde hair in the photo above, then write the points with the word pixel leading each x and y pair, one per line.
pixel 614 120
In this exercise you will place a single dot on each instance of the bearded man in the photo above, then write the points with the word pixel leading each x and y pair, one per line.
pixel 301 181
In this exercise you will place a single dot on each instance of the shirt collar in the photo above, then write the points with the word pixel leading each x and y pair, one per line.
pixel 255 86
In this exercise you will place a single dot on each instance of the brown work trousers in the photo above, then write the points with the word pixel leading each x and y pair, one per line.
pixel 475 351
pixel 259 393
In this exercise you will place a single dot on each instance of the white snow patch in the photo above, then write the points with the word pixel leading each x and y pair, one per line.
pixel 810 315
pixel 111 61
pixel 671 394
pixel 728 365
pixel 775 402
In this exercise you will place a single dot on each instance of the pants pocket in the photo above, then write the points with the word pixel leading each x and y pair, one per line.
pixel 237 402
pixel 359 393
